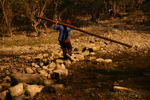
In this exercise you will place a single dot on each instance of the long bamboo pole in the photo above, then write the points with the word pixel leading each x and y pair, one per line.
pixel 90 33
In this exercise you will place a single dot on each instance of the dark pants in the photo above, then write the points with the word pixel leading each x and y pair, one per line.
pixel 64 47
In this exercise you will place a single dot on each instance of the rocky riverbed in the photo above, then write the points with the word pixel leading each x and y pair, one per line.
pixel 97 67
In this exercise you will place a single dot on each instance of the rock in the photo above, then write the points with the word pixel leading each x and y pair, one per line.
pixel 29 70
pixel 63 66
pixel 5 85
pixel 33 89
pixel 67 63
pixel 45 61
pixel 92 54
pixel 38 57
pixel 21 97
pixel 59 61
pixel 58 67
pixel 37 66
pixel 41 64
pixel 45 68
pixel 16 90
pixel 49 82
pixel 7 79
pixel 85 53
pixel 79 57
pixel 45 55
pixel 27 78
pixel 28 58
pixel 60 74
pixel 56 87
pixel 3 74
pixel 92 58
pixel 4 95
pixel 52 65
pixel 33 64
pixel 14 70
pixel 107 62
pixel 7 72
pixel 43 73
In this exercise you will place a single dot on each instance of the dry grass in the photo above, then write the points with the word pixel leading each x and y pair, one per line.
pixel 22 40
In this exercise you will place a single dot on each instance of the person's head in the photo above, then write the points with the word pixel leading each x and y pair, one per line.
pixel 68 21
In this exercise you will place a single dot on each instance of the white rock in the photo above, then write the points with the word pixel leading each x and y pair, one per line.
pixel 17 90
pixel 92 54
pixel 29 70
pixel 63 66
pixel 33 89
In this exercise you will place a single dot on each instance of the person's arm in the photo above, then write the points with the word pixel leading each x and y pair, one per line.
pixel 56 27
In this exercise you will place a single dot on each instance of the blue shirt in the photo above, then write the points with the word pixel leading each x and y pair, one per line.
pixel 64 32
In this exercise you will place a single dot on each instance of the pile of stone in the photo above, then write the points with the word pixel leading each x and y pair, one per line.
pixel 46 70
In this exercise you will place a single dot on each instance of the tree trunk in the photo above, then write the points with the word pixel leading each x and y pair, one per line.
pixel 5 14
pixel 92 12
pixel 114 6
pixel 55 16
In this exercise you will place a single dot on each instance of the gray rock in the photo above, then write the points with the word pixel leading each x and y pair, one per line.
pixel 17 90
pixel 33 89
pixel 27 78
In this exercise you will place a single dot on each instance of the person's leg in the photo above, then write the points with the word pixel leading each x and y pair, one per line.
pixel 63 47
pixel 69 47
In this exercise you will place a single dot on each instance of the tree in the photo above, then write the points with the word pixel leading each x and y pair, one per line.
pixel 35 8
pixel 7 14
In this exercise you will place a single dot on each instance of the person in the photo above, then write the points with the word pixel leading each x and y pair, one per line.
pixel 117 9
pixel 63 38
pixel 110 13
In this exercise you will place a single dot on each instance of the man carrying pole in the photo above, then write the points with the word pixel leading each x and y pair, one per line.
pixel 63 39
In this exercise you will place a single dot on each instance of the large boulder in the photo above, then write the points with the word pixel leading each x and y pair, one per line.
pixel 27 78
